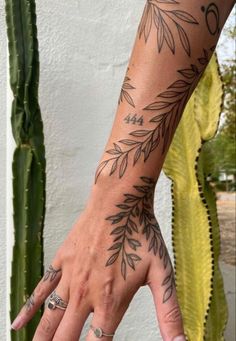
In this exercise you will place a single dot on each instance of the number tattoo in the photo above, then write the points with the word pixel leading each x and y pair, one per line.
pixel 212 17
pixel 164 20
pixel 134 120
pixel 169 106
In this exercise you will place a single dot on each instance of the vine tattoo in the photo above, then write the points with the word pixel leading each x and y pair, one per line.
pixel 124 93
pixel 164 20
pixel 137 208
pixel 30 302
pixel 212 18
pixel 167 109
pixel 51 273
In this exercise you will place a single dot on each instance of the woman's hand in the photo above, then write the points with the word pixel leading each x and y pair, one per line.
pixel 114 248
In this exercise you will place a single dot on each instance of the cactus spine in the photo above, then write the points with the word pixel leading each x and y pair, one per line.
pixel 195 230
pixel 29 158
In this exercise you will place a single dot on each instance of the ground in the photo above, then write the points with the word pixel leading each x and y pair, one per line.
pixel 226 215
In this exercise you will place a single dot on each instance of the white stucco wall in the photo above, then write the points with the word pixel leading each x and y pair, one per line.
pixel 84 50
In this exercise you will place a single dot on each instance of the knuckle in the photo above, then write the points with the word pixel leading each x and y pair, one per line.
pixel 39 292
pixel 174 315
pixel 80 291
pixel 45 325
pixel 109 302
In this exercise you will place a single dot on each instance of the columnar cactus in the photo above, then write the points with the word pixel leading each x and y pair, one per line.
pixel 195 229
pixel 29 157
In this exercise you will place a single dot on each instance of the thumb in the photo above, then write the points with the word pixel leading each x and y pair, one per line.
pixel 162 284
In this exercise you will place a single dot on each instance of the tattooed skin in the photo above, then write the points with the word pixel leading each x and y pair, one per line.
pixel 165 21
pixel 212 18
pixel 138 208
pixel 124 94
pixel 134 119
pixel 30 302
pixel 51 273
pixel 168 108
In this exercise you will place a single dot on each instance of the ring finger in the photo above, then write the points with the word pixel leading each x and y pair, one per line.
pixel 52 317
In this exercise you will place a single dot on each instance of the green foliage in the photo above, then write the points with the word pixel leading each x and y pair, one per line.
pixel 29 158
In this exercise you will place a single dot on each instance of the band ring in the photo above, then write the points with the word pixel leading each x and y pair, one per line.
pixel 99 333
pixel 55 301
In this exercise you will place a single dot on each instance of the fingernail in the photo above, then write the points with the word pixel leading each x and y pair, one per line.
pixel 179 338
pixel 17 323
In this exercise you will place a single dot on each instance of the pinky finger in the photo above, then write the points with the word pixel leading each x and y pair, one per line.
pixel 47 284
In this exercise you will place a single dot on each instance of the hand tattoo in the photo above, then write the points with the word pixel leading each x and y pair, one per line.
pixel 169 106
pixel 164 20
pixel 212 17
pixel 51 273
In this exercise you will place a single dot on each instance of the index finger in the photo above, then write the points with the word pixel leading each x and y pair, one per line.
pixel 46 285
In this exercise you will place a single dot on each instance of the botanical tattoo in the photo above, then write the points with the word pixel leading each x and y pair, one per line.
pixel 124 94
pixel 165 20
pixel 167 109
pixel 30 302
pixel 51 273
pixel 212 18
pixel 136 216
pixel 133 119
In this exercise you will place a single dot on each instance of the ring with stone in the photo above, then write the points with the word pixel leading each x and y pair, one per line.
pixel 99 333
pixel 55 301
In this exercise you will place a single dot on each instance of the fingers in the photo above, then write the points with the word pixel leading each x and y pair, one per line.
pixel 162 285
pixel 108 312
pixel 72 322
pixel 52 318
pixel 41 292
pixel 103 326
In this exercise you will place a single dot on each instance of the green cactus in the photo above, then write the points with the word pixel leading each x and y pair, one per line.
pixel 195 230
pixel 29 158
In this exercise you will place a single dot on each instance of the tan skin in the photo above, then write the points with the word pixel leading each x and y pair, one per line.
pixel 84 281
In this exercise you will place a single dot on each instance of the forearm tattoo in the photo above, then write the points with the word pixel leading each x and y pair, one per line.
pixel 166 21
pixel 212 18
pixel 50 274
pixel 134 218
pixel 124 93
pixel 167 109
pixel 134 119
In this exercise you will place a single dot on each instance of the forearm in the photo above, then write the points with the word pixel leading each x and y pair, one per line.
pixel 173 46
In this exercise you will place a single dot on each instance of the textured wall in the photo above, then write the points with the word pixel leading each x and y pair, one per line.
pixel 84 50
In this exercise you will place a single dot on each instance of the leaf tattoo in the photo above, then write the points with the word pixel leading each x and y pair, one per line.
pixel 124 94
pixel 167 109
pixel 30 302
pixel 136 209
pixel 50 274
pixel 164 20
pixel 169 282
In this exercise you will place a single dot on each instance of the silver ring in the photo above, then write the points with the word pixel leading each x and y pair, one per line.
pixel 55 301
pixel 99 333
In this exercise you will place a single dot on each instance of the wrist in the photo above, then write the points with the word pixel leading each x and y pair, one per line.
pixel 110 191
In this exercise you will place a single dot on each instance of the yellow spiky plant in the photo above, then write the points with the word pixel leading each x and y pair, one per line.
pixel 195 230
